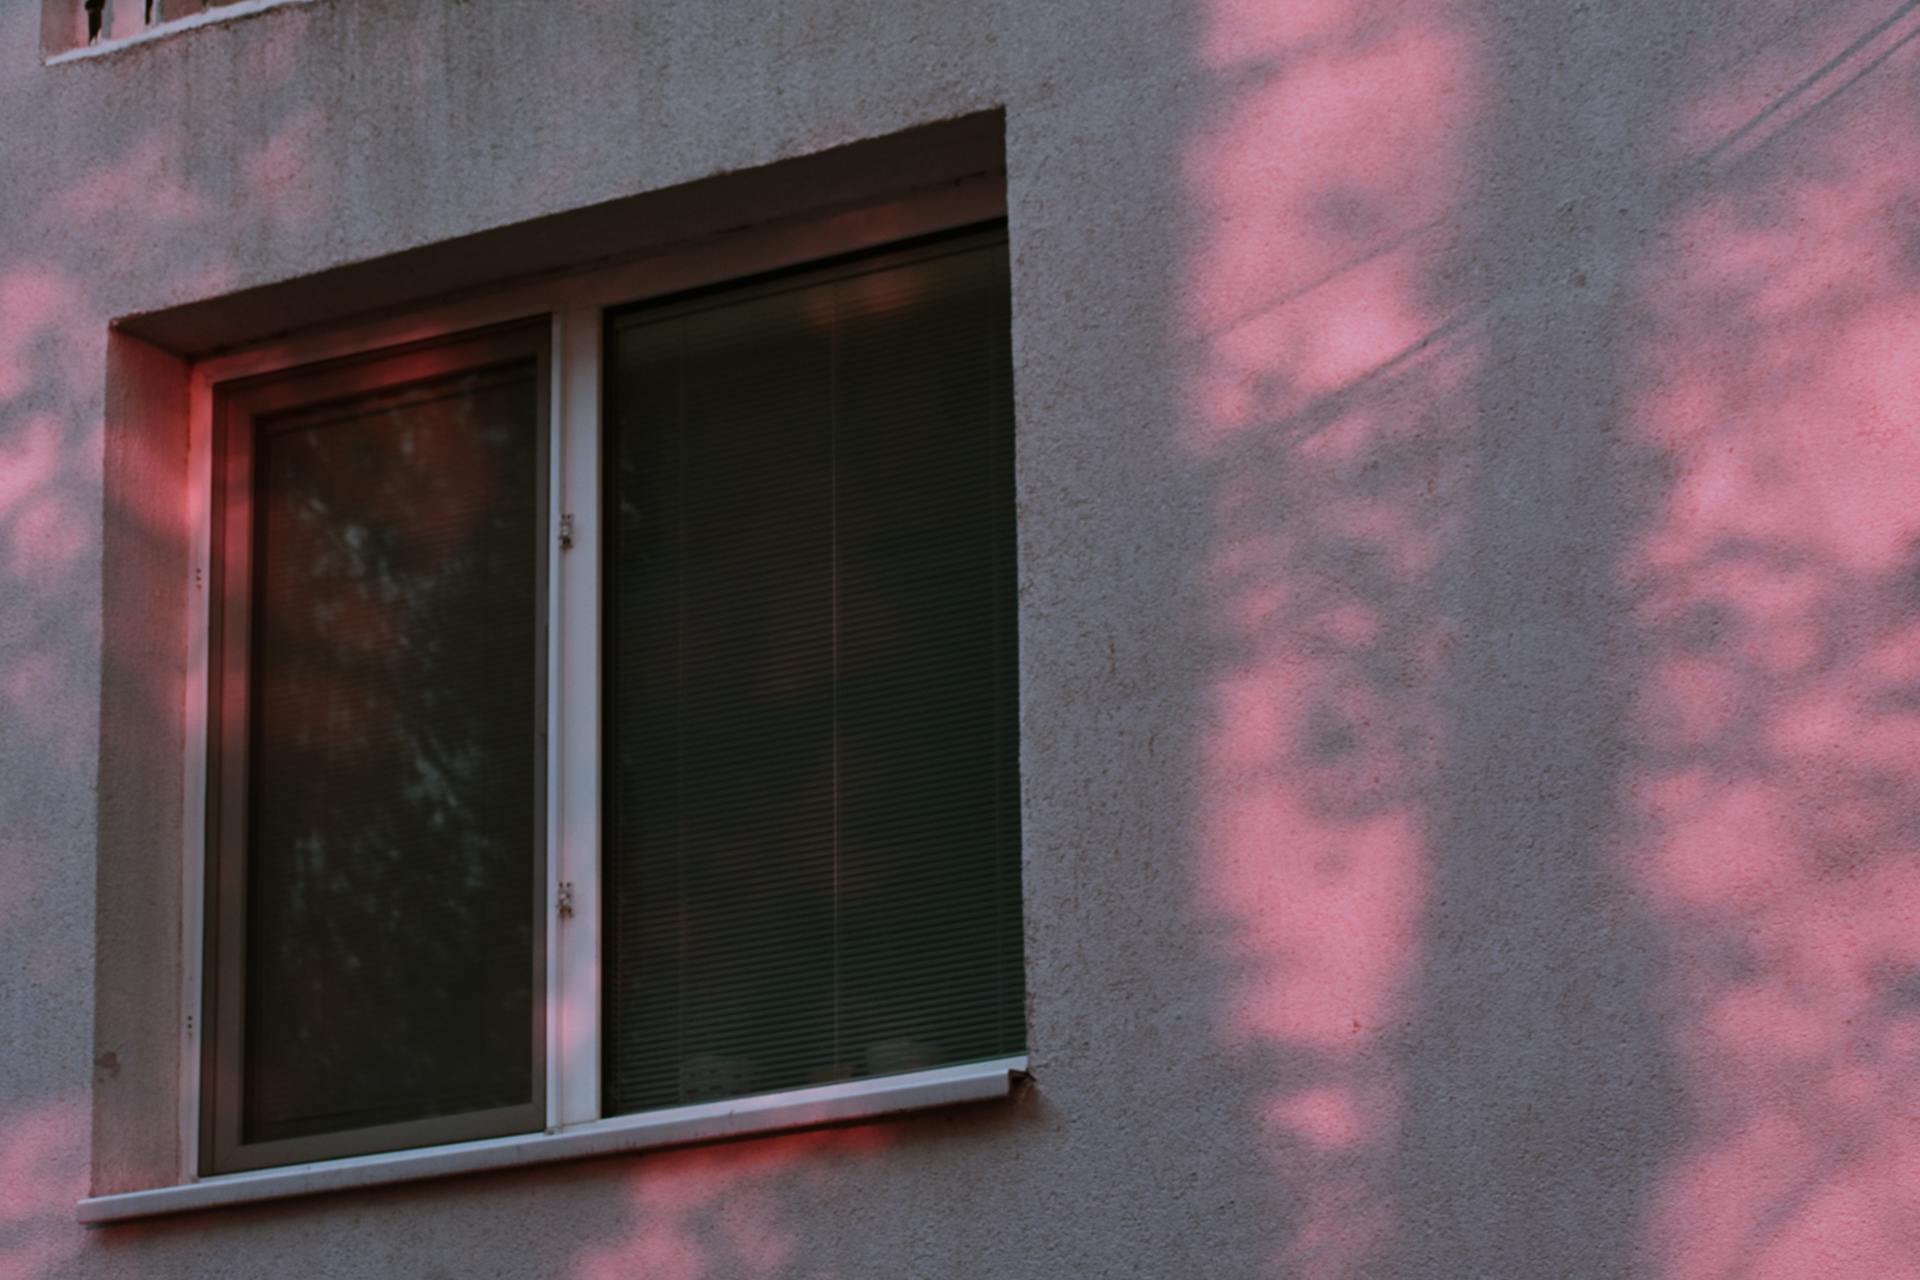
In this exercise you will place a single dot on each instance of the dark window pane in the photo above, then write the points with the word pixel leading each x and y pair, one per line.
pixel 812 846
pixel 394 759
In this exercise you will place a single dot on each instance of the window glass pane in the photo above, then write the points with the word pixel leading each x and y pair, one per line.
pixel 812 846
pixel 395 758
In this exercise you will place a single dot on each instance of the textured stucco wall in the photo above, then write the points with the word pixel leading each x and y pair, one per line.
pixel 1470 614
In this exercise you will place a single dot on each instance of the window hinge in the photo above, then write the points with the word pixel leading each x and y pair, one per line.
pixel 566 532
pixel 565 905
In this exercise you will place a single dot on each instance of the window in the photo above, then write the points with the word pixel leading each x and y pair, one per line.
pixel 811 860
pixel 378 757
pixel 622 758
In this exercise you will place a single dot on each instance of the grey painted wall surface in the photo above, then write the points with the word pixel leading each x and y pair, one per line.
pixel 1470 615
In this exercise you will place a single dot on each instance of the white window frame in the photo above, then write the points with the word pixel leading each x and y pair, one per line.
pixel 576 304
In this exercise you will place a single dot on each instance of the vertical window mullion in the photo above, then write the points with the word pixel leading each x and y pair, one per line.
pixel 193 864
pixel 231 591
pixel 574 1025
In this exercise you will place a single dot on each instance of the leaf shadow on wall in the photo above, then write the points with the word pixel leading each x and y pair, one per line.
pixel 1537 413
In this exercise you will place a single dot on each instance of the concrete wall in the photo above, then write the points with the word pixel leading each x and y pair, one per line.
pixel 1470 615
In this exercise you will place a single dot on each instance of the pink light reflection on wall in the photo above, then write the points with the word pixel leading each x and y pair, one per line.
pixel 1325 386
pixel 48 500
pixel 42 1175
pixel 705 1212
pixel 1778 790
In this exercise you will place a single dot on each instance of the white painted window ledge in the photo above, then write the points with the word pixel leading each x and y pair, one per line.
pixel 797 1109
pixel 161 30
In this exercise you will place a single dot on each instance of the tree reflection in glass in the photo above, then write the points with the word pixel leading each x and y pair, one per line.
pixel 394 758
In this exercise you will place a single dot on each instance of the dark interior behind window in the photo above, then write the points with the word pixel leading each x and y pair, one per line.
pixel 812 831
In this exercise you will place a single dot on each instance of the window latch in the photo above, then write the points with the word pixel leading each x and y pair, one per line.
pixel 565 905
pixel 566 532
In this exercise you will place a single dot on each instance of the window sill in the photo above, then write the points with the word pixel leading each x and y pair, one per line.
pixel 160 31
pixel 797 1109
